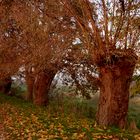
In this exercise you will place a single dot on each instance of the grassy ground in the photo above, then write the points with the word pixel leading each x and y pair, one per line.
pixel 61 120
pixel 134 110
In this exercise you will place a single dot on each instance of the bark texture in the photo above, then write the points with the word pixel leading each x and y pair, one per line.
pixel 42 86
pixel 114 91
pixel 30 79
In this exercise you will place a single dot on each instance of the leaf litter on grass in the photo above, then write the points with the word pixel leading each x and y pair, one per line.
pixel 39 123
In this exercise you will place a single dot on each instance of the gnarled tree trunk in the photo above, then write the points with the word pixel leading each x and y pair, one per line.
pixel 114 91
pixel 42 86
pixel 30 79
pixel 5 85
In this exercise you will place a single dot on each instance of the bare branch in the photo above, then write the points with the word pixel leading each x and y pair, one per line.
pixel 106 23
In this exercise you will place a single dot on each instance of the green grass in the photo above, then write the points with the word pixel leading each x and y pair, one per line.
pixel 134 110
pixel 61 120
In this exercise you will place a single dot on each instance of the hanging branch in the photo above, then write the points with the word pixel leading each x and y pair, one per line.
pixel 80 22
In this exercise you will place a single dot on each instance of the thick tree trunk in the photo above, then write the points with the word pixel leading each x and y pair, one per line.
pixel 5 85
pixel 42 86
pixel 30 79
pixel 114 92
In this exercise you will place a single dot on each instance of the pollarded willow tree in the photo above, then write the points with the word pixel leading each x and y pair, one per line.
pixel 47 44
pixel 109 31
pixel 32 37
